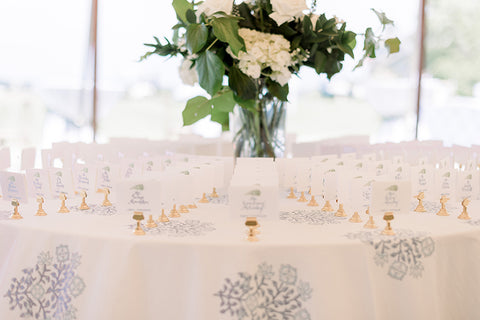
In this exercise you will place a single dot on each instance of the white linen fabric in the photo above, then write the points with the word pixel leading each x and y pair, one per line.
pixel 307 265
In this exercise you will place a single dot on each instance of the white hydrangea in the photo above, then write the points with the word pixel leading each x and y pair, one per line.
pixel 187 73
pixel 265 50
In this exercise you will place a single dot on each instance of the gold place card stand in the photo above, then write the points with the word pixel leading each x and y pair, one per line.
pixel 150 223
pixel 40 211
pixel 302 197
pixel 313 202
pixel 138 216
pixel 341 211
pixel 163 217
pixel 174 213
pixel 464 215
pixel 388 217
pixel 192 206
pixel 420 207
pixel 63 207
pixel 214 193
pixel 106 202
pixel 252 225
pixel 443 210
pixel 327 207
pixel 204 199
pixel 16 215
pixel 370 223
pixel 183 209
pixel 355 218
pixel 84 205
pixel 291 195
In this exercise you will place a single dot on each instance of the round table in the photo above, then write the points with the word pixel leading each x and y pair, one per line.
pixel 307 265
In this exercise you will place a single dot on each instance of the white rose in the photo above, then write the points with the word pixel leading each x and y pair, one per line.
pixel 187 73
pixel 209 7
pixel 286 10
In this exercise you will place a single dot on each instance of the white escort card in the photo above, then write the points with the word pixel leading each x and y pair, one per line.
pixel 254 191
pixel 84 178
pixel 445 179
pixel 38 182
pixel 360 192
pixel 61 181
pixel 422 178
pixel 139 195
pixel 107 175
pixel 13 186
pixel 468 185
pixel 390 196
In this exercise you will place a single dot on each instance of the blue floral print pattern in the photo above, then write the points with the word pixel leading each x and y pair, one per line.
pixel 47 291
pixel 262 296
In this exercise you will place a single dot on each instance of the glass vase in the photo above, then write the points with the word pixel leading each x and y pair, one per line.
pixel 260 132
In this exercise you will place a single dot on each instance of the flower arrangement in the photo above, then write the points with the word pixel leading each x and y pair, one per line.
pixel 257 45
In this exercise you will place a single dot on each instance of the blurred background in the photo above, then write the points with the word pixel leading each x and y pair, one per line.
pixel 46 76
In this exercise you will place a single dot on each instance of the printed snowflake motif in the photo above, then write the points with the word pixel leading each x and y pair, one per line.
pixel 434 207
pixel 315 217
pixel 179 228
pixel 221 199
pixel 261 296
pixel 96 210
pixel 403 252
pixel 475 223
pixel 47 290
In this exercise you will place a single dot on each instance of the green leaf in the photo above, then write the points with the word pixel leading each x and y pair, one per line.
pixel 382 17
pixel 347 42
pixel 281 92
pixel 226 30
pixel 320 62
pixel 393 45
pixel 370 43
pixel 210 71
pixel 181 7
pixel 320 22
pixel 248 20
pixel 196 37
pixel 190 16
pixel 307 26
pixel 241 84
pixel 246 104
pixel 222 118
pixel 197 108
pixel 224 101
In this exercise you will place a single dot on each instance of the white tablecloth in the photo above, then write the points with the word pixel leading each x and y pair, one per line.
pixel 310 265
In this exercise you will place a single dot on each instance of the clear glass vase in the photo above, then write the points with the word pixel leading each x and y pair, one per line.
pixel 261 132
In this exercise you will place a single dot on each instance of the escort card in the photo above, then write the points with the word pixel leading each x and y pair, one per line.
pixel 38 182
pixel 84 178
pixel 47 159
pixel 422 180
pixel 61 181
pixel 360 192
pixel 390 196
pixel 399 171
pixel 107 174
pixel 139 195
pixel 468 185
pixel 257 200
pixel 445 183
pixel 13 186
pixel 330 182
